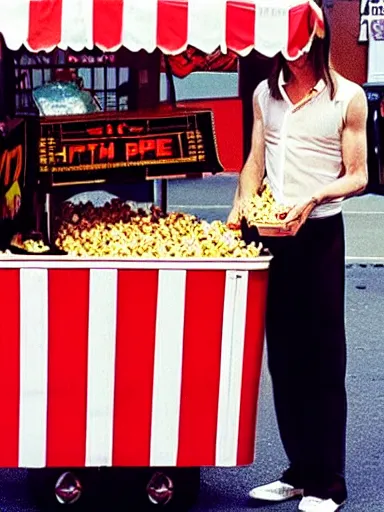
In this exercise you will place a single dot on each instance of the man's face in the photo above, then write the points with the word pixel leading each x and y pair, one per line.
pixel 298 64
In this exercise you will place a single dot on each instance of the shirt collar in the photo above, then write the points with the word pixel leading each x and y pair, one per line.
pixel 320 86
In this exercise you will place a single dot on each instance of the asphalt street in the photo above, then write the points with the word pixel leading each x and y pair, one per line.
pixel 226 490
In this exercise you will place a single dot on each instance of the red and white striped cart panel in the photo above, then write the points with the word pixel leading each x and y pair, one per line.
pixel 130 363
pixel 269 26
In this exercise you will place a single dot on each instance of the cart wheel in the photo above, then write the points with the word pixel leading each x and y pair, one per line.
pixel 174 489
pixel 186 487
pixel 149 489
pixel 56 489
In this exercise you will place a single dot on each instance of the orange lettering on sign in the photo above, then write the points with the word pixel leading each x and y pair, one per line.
pixel 11 159
pixel 18 154
pixel 131 149
pixel 146 145
pixel 75 150
pixel 161 147
pixel 92 148
pixel 164 148
pixel 122 129
pixel 107 153
pixel 3 162
pixel 109 129
pixel 97 132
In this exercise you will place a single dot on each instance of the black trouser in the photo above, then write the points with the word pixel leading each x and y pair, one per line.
pixel 307 353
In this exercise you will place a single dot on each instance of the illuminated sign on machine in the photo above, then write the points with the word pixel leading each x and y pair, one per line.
pixel 95 145
pixel 123 152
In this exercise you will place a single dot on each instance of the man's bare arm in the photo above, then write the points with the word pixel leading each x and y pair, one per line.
pixel 252 174
pixel 354 153
pixel 253 171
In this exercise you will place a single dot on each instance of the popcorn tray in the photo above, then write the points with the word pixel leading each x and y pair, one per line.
pixel 272 230
pixel 254 232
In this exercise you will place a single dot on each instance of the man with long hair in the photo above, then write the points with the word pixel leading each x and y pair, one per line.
pixel 309 137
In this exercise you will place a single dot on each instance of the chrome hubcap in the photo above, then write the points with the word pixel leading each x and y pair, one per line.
pixel 68 489
pixel 160 489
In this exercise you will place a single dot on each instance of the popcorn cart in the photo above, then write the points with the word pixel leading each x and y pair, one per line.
pixel 109 363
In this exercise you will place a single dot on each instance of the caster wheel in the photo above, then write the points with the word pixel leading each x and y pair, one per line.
pixel 56 489
pixel 150 489
pixel 173 489
pixel 186 487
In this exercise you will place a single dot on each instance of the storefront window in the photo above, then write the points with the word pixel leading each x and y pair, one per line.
pixel 99 74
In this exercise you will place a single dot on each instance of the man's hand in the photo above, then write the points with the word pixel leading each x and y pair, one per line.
pixel 234 215
pixel 252 174
pixel 298 214
pixel 237 212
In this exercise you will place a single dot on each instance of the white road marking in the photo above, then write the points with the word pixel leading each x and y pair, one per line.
pixel 362 213
pixel 365 259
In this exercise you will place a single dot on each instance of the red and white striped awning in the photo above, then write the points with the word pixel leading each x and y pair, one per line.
pixel 269 26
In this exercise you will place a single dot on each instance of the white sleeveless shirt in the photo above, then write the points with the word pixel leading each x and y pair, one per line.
pixel 303 145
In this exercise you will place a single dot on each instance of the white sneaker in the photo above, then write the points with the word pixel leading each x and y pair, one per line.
pixel 313 504
pixel 275 491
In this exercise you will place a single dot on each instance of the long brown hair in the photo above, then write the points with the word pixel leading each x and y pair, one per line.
pixel 319 57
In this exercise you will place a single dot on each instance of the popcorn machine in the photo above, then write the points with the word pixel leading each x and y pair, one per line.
pixel 122 148
pixel 157 363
